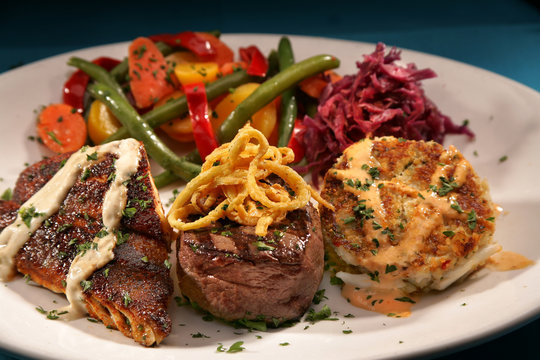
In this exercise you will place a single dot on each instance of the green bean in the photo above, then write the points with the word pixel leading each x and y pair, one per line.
pixel 273 64
pixel 270 89
pixel 177 107
pixel 309 104
pixel 289 106
pixel 165 178
pixel 140 130
pixel 97 73
pixel 120 71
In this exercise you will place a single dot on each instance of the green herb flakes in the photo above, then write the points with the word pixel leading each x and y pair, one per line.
pixel 472 220
pixel 405 299
pixel 27 214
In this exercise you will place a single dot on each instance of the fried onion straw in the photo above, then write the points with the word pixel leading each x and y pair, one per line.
pixel 233 184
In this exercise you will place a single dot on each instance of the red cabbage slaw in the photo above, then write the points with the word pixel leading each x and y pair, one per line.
pixel 381 99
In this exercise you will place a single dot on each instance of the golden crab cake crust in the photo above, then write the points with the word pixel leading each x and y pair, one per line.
pixel 407 210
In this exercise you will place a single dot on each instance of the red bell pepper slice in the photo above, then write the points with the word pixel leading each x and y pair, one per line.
pixel 75 86
pixel 200 121
pixel 257 63
pixel 188 40
pixel 296 141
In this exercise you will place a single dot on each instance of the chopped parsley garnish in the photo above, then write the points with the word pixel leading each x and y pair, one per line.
pixel 28 214
pixel 503 158
pixel 471 220
pixel 376 225
pixel 167 264
pixel 349 220
pixel 127 299
pixel 84 247
pixel 199 335
pixel 7 195
pixel 121 237
pixel 86 285
pixel 261 246
pixel 323 314
pixel 52 135
pixel 64 227
pixel 54 314
pixel 334 280
pixel 390 268
pixel 319 296
pixel 374 276
pixel 449 233
pixel 85 175
pixel 236 347
pixel 388 232
pixel 456 207
pixel 447 185
pixel 102 233
pixel 93 156
pixel 259 325
pixel 362 212
pixel 405 299
pixel 374 172
pixel 143 204
pixel 129 212
pixel 347 331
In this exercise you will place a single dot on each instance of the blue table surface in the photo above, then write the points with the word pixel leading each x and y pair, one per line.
pixel 502 36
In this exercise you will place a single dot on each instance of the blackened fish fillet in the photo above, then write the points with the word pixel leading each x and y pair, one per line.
pixel 132 291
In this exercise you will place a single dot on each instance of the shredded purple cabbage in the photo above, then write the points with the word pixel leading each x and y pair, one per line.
pixel 382 99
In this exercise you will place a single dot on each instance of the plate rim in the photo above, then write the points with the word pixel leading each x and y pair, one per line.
pixel 503 329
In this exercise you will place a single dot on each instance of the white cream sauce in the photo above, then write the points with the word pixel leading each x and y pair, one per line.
pixel 47 201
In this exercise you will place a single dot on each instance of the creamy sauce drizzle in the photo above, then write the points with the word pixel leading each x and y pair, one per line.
pixel 381 300
pixel 508 260
pixel 47 201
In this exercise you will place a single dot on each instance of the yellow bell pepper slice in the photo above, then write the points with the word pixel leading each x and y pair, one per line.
pixel 189 72
pixel 101 122
pixel 264 120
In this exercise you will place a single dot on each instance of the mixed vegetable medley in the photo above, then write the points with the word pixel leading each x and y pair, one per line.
pixel 193 88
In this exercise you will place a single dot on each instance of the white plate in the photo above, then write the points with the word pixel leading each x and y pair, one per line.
pixel 503 114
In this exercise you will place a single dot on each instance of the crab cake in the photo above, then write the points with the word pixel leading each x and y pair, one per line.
pixel 409 215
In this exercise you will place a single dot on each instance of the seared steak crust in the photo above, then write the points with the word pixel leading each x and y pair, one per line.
pixel 131 292
pixel 234 274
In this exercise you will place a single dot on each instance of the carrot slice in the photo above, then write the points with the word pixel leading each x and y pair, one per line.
pixel 61 128
pixel 315 85
pixel 151 77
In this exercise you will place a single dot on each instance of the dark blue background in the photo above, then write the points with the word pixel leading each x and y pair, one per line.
pixel 499 35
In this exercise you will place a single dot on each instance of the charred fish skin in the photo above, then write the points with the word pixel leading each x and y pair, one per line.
pixel 117 293
pixel 234 274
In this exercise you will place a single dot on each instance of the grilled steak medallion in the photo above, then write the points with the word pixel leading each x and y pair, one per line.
pixel 131 292
pixel 234 274
pixel 409 215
